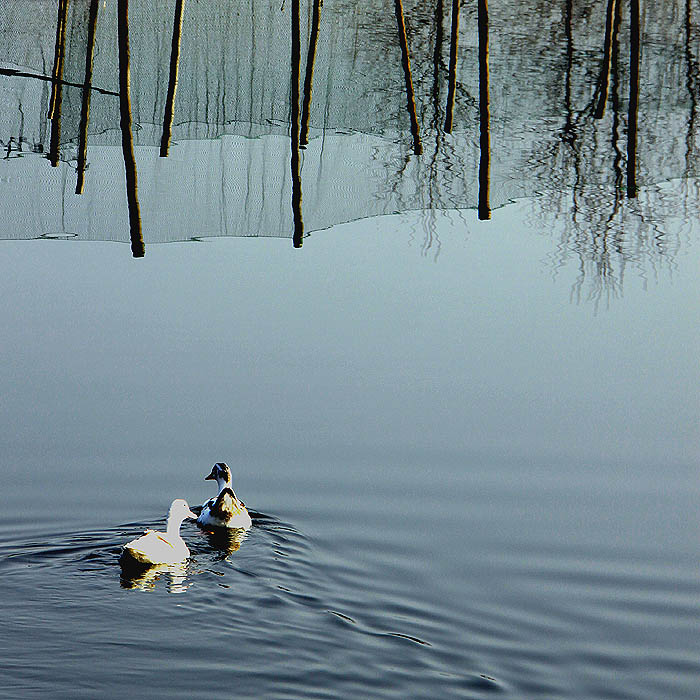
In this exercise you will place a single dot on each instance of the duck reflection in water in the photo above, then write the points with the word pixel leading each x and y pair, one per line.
pixel 145 579
pixel 225 541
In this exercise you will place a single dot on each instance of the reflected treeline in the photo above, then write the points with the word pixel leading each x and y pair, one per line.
pixel 393 106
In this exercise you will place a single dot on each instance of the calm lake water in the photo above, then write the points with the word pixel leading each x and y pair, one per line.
pixel 464 413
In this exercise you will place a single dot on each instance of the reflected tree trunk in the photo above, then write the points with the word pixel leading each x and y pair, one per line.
pixel 309 77
pixel 406 62
pixel 615 103
pixel 87 90
pixel 633 101
pixel 172 81
pixel 435 122
pixel 137 247
pixel 570 130
pixel 54 112
pixel 605 70
pixel 484 112
pixel 452 75
pixel 298 235
pixel 436 128
pixel 692 85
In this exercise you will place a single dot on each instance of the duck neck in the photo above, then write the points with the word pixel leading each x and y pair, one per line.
pixel 223 483
pixel 173 526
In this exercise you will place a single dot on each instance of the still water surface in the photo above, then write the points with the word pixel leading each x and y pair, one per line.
pixel 464 415
pixel 463 484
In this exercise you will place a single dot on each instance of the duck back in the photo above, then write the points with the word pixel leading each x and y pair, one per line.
pixel 154 548
pixel 225 511
pixel 225 505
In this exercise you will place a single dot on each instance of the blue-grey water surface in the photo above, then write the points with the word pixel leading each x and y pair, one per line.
pixel 464 415
pixel 463 484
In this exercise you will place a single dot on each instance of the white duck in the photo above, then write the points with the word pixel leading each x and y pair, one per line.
pixel 161 547
pixel 225 510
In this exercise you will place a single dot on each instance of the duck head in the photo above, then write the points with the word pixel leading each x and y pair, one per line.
pixel 220 473
pixel 179 511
